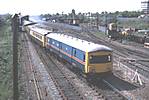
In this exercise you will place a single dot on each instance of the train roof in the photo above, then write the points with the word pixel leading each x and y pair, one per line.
pixel 78 43
pixel 40 30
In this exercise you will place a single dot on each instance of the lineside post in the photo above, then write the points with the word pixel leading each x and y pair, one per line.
pixel 15 28
pixel 137 77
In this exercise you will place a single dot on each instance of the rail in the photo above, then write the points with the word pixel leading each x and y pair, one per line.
pixel 115 89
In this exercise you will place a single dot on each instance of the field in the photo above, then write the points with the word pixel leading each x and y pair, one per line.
pixel 5 61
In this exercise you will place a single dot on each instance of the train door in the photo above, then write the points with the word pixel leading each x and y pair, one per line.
pixel 73 55
pixel 44 40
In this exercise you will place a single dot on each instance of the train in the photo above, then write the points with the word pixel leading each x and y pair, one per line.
pixel 112 31
pixel 86 56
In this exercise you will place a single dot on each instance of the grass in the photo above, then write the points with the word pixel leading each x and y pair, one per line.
pixel 5 62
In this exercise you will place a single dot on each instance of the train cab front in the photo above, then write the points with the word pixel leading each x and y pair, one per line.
pixel 100 62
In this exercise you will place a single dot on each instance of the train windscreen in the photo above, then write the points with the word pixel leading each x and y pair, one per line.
pixel 100 59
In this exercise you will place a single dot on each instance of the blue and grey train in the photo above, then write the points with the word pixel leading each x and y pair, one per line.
pixel 87 56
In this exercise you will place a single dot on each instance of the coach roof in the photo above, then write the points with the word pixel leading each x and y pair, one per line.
pixel 40 30
pixel 78 43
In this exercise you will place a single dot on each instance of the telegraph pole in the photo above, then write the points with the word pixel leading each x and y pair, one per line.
pixel 106 23
pixel 15 28
pixel 97 20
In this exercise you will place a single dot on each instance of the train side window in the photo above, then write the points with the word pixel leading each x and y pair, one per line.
pixel 84 57
pixel 48 40
pixel 57 45
pixel 66 49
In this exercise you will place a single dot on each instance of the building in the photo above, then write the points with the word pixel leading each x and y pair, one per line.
pixel 73 21
pixel 145 6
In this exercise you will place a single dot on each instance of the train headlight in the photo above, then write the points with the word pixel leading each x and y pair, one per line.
pixel 90 57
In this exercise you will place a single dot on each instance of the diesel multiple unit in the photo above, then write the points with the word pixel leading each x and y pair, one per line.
pixel 87 56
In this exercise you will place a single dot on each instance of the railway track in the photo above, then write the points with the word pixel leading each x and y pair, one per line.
pixel 142 69
pixel 67 88
pixel 120 51
pixel 117 95
pixel 30 73
pixel 102 86
pixel 62 82
pixel 106 88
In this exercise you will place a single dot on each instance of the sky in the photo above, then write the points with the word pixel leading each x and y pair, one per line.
pixel 37 7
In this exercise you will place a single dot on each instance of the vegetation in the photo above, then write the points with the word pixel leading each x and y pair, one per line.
pixel 134 23
pixel 85 17
pixel 5 59
pixel 130 18
pixel 129 14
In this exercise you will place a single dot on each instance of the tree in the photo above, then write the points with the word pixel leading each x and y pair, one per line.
pixel 57 14
pixel 73 11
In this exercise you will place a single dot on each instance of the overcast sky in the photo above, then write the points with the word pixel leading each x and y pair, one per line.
pixel 37 7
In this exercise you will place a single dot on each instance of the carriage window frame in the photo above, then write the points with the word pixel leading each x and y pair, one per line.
pixel 100 59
